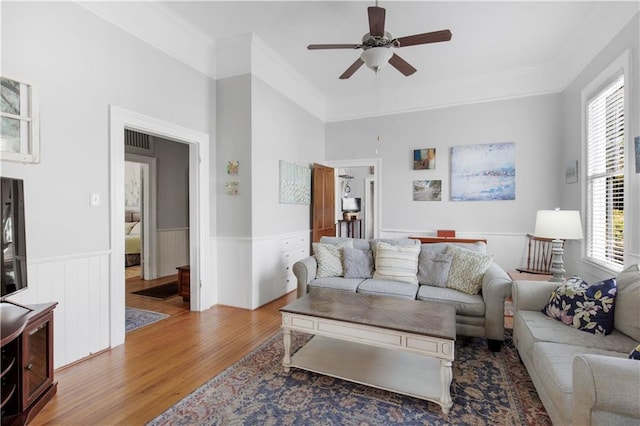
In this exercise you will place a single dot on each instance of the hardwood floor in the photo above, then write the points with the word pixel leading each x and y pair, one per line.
pixel 159 364
pixel 169 306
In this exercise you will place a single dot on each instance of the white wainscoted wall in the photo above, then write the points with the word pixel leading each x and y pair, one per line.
pixel 253 272
pixel 173 250
pixel 80 285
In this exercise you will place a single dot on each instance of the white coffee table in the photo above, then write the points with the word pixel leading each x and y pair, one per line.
pixel 399 345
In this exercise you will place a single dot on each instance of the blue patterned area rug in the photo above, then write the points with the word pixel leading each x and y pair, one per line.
pixel 136 318
pixel 487 389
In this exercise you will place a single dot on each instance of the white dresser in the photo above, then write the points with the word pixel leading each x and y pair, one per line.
pixel 271 267
pixel 293 248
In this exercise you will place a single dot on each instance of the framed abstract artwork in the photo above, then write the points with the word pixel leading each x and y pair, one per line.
pixel 636 143
pixel 571 171
pixel 427 190
pixel 483 172
pixel 424 159
pixel 233 167
pixel 295 183
pixel 232 188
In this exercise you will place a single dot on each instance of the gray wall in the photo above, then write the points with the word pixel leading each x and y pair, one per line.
pixel 233 134
pixel 172 169
pixel 281 131
pixel 82 64
pixel 258 126
pixel 533 123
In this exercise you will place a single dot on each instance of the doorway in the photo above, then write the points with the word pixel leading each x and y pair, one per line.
pixel 157 220
pixel 367 187
pixel 202 291
pixel 140 216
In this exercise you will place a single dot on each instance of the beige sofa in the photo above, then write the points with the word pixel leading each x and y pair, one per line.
pixel 480 315
pixel 581 378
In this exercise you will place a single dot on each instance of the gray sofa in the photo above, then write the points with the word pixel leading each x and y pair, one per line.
pixel 480 315
pixel 581 378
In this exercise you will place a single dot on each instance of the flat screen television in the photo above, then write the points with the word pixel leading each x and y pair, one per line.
pixel 14 250
pixel 350 204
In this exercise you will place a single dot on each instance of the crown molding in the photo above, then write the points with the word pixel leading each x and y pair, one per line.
pixel 158 26
pixel 444 94
pixel 249 54
pixel 274 70
pixel 233 56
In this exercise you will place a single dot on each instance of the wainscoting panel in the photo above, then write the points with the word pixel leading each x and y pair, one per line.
pixel 173 250
pixel 234 272
pixel 255 271
pixel 80 285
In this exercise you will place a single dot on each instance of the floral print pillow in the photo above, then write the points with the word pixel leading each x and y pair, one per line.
pixel 635 353
pixel 587 307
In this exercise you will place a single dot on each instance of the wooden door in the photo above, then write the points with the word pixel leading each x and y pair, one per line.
pixel 323 202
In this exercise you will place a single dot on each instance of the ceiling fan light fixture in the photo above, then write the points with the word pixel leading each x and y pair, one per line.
pixel 376 57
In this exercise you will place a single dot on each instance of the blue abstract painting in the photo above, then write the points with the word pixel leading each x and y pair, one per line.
pixel 483 172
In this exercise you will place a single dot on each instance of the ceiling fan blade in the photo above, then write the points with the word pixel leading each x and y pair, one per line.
pixel 376 20
pixel 333 46
pixel 401 65
pixel 433 37
pixel 353 68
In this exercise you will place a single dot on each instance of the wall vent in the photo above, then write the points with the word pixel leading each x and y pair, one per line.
pixel 136 140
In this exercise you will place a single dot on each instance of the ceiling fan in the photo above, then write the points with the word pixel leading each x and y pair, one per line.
pixel 377 44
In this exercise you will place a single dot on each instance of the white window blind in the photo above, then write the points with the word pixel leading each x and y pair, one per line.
pixel 605 175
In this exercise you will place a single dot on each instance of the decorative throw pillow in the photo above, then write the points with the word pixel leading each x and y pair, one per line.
pixel 329 258
pixel 136 230
pixel 467 269
pixel 587 307
pixel 392 241
pixel 397 263
pixel 635 353
pixel 433 268
pixel 357 263
pixel 128 226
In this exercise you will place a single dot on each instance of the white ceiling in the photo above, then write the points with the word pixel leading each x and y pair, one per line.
pixel 499 49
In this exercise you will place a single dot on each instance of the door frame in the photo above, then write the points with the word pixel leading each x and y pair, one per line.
pixel 202 290
pixel 370 194
pixel 148 213
pixel 376 163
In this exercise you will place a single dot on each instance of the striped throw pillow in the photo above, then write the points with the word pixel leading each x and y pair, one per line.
pixel 397 263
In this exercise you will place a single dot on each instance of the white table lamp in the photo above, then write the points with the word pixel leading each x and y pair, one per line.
pixel 559 225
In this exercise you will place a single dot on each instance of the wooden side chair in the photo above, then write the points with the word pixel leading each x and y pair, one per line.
pixel 538 255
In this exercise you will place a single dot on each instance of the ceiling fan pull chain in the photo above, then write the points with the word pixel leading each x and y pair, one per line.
pixel 378 112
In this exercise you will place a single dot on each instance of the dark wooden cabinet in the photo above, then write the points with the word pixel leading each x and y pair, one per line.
pixel 27 361
pixel 184 282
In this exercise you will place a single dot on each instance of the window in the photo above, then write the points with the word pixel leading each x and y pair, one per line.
pixel 605 149
pixel 19 131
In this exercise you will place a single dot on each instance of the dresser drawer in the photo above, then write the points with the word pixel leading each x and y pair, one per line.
pixel 289 257
pixel 295 241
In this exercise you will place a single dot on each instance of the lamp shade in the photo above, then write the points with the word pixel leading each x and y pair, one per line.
pixel 558 224
pixel 376 57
